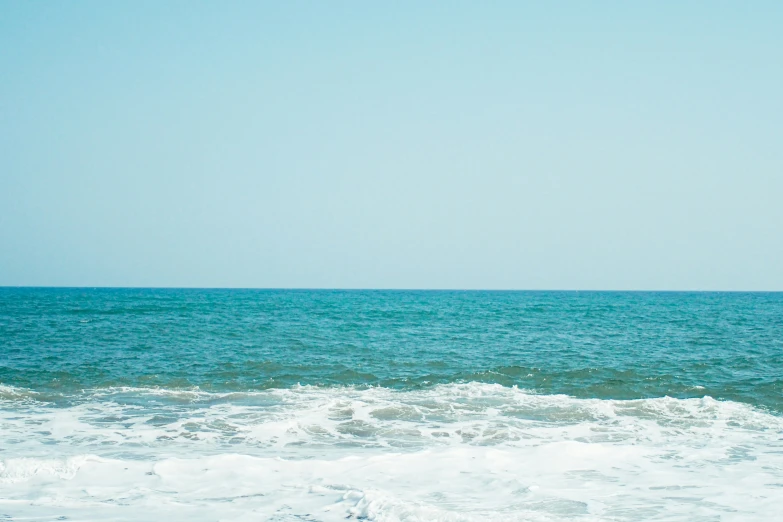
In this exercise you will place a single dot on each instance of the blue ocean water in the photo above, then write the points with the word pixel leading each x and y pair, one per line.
pixel 585 344
pixel 390 405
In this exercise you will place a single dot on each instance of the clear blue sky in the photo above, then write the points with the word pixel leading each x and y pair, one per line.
pixel 573 145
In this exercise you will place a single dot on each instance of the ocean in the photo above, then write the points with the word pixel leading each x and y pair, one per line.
pixel 311 405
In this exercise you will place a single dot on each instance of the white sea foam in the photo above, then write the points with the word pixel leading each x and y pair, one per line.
pixel 458 452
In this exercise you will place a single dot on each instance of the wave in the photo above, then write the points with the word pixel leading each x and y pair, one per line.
pixel 305 420
pixel 450 452
pixel 755 383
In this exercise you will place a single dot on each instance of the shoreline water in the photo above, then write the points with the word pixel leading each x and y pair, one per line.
pixel 453 452
pixel 290 406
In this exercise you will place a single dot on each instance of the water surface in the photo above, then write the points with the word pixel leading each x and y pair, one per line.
pixel 390 405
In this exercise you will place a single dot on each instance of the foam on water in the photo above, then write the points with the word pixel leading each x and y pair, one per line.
pixel 451 452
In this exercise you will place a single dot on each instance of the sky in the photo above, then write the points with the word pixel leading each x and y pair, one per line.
pixel 486 145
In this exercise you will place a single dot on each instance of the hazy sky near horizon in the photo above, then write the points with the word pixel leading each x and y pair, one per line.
pixel 548 145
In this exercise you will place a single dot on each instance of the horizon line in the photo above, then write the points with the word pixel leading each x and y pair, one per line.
pixel 381 289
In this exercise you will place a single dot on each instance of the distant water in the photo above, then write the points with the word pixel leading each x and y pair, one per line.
pixel 390 405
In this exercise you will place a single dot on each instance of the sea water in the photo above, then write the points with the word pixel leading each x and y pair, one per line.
pixel 130 404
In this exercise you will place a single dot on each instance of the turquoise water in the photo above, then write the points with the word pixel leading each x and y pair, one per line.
pixel 586 344
pixel 131 404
